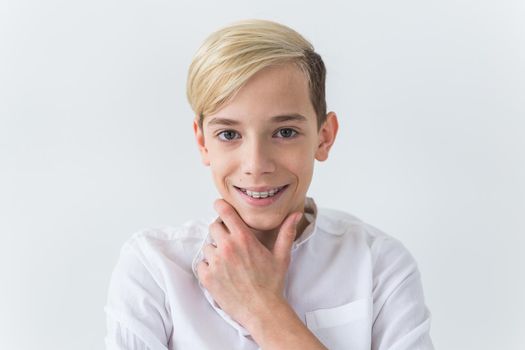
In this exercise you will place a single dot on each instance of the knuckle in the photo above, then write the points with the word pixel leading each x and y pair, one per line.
pixel 227 248
pixel 207 250
pixel 202 271
pixel 215 260
pixel 228 210
pixel 205 279
pixel 214 226
pixel 224 209
pixel 244 239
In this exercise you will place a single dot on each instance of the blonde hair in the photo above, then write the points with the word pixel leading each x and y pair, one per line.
pixel 233 54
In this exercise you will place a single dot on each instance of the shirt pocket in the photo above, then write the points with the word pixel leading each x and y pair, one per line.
pixel 346 326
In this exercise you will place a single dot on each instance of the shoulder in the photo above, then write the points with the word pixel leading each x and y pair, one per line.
pixel 158 236
pixel 395 275
pixel 158 248
pixel 382 246
pixel 151 261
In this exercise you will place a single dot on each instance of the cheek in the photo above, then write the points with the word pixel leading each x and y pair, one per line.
pixel 221 172
pixel 302 167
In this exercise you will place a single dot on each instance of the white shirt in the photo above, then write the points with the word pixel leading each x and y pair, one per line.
pixel 352 285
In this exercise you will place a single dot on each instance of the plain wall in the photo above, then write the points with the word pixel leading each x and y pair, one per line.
pixel 96 143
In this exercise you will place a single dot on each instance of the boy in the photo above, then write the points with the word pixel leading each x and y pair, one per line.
pixel 272 271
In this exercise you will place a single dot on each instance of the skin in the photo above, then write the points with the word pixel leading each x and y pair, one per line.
pixel 246 270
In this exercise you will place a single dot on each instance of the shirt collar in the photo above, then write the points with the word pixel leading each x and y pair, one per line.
pixel 310 213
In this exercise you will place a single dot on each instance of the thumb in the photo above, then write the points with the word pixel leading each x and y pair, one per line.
pixel 283 243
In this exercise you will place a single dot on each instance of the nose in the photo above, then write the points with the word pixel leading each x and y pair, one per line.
pixel 257 158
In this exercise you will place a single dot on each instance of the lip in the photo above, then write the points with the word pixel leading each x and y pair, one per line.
pixel 261 202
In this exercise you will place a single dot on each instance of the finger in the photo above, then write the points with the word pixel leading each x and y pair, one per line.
pixel 287 233
pixel 202 269
pixel 218 231
pixel 231 218
pixel 209 251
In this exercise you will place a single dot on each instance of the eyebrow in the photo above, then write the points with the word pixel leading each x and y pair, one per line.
pixel 275 119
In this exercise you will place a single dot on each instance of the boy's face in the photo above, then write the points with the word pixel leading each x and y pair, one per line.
pixel 251 145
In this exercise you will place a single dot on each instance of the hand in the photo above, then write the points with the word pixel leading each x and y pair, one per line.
pixel 242 275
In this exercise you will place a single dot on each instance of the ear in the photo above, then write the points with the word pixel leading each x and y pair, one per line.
pixel 327 135
pixel 199 137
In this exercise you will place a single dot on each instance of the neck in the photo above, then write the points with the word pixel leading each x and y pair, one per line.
pixel 268 238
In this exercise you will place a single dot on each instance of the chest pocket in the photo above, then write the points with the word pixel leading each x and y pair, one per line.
pixel 347 326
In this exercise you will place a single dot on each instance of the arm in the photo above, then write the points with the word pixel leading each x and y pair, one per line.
pixel 136 315
pixel 278 327
pixel 401 318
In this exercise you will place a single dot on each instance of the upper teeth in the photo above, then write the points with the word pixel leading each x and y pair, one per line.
pixel 261 194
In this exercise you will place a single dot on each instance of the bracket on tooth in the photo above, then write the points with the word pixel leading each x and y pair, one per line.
pixel 258 195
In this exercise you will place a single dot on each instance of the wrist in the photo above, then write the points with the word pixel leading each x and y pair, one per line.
pixel 266 314
pixel 279 327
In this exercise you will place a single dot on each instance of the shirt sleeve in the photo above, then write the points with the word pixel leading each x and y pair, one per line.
pixel 401 318
pixel 119 337
pixel 137 317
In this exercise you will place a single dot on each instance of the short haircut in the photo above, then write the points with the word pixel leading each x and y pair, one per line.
pixel 233 54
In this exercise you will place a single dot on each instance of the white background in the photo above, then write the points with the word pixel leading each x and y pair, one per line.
pixel 96 143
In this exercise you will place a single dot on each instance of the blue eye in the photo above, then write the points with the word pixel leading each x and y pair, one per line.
pixel 227 135
pixel 286 133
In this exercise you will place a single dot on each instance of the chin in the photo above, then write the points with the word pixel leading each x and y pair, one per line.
pixel 263 222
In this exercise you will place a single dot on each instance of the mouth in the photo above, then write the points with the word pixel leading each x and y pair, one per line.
pixel 261 192
pixel 263 196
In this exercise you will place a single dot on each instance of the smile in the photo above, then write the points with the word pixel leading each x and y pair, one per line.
pixel 263 197
pixel 263 194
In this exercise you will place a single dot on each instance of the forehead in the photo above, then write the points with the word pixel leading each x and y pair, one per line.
pixel 274 91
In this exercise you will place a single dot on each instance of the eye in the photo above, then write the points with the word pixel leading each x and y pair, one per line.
pixel 227 135
pixel 286 133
